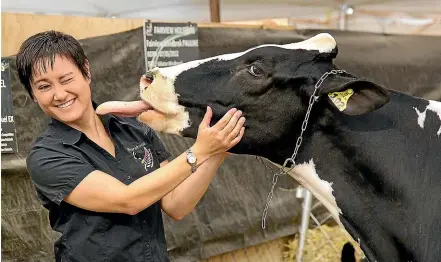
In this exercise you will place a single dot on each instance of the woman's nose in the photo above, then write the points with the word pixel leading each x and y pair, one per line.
pixel 60 93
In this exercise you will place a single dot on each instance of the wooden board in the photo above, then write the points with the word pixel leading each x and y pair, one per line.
pixel 16 28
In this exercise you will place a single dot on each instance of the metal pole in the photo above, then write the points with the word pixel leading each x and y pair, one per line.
pixel 345 11
pixel 306 211
pixel 343 17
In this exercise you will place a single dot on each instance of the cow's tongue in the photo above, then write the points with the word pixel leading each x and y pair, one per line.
pixel 123 108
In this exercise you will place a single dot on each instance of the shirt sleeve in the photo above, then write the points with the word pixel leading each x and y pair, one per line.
pixel 55 174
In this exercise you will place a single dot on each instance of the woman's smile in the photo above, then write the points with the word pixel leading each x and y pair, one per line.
pixel 66 104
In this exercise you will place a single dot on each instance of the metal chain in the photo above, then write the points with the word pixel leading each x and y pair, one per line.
pixel 282 170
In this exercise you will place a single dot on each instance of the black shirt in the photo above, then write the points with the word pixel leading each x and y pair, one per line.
pixel 58 161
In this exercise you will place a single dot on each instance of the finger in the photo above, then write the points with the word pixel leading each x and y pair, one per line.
pixel 235 132
pixel 225 119
pixel 238 138
pixel 207 117
pixel 232 123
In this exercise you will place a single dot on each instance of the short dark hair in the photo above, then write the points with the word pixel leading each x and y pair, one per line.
pixel 39 51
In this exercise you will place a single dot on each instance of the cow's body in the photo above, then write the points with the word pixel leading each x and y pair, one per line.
pixel 385 172
pixel 375 163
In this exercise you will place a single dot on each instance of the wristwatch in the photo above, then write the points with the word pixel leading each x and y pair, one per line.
pixel 192 160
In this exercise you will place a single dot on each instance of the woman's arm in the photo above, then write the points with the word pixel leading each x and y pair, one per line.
pixel 183 199
pixel 101 192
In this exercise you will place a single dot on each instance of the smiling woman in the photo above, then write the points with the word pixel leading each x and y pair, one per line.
pixel 62 92
pixel 103 178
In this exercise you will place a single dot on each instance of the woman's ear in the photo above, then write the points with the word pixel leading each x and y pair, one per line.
pixel 33 96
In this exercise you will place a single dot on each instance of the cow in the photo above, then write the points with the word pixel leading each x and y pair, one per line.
pixel 370 154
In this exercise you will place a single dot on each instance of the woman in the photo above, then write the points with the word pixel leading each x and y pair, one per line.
pixel 90 171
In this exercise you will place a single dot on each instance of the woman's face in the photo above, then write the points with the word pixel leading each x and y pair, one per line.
pixel 62 92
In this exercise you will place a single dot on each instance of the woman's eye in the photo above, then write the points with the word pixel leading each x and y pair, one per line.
pixel 43 87
pixel 255 70
pixel 66 81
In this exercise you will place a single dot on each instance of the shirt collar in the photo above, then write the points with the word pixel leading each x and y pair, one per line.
pixel 70 135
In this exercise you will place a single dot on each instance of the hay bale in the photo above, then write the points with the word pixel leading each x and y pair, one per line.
pixel 317 247
pixel 271 251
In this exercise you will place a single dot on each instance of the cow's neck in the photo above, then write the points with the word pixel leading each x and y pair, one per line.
pixel 305 170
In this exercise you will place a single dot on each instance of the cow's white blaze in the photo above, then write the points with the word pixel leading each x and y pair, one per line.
pixel 434 106
pixel 323 43
pixel 307 176
pixel 162 97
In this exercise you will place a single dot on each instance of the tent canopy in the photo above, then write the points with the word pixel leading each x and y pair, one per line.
pixel 230 10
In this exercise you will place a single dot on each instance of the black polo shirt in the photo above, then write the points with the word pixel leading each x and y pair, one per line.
pixel 62 156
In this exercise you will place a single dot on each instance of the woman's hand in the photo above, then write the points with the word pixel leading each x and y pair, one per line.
pixel 222 136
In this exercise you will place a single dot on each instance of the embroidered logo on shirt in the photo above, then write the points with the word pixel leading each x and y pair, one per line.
pixel 136 147
pixel 143 155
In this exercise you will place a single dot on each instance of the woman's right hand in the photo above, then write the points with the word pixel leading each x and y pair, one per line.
pixel 222 136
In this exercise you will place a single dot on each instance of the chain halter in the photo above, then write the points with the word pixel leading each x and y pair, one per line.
pixel 284 169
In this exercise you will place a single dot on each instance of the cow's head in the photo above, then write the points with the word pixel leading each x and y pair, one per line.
pixel 271 84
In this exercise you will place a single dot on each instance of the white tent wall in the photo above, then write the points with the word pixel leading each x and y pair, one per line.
pixel 382 16
pixel 383 22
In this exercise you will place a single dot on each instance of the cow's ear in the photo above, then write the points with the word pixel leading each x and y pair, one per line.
pixel 353 96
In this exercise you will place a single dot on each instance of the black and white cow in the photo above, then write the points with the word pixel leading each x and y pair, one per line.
pixel 371 155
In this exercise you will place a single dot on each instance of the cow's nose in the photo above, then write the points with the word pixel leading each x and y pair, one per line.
pixel 149 75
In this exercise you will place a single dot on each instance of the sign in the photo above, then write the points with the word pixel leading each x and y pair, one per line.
pixel 169 44
pixel 8 134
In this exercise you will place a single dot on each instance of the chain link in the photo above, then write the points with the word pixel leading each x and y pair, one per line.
pixel 299 141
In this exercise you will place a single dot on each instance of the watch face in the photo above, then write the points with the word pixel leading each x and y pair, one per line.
pixel 192 159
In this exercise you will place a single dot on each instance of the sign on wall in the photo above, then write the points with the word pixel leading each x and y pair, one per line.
pixel 169 44
pixel 8 134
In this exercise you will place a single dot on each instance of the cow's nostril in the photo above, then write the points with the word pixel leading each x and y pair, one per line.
pixel 149 75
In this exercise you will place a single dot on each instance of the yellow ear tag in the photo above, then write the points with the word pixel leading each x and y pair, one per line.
pixel 340 99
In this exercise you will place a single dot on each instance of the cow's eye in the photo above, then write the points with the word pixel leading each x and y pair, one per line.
pixel 255 70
